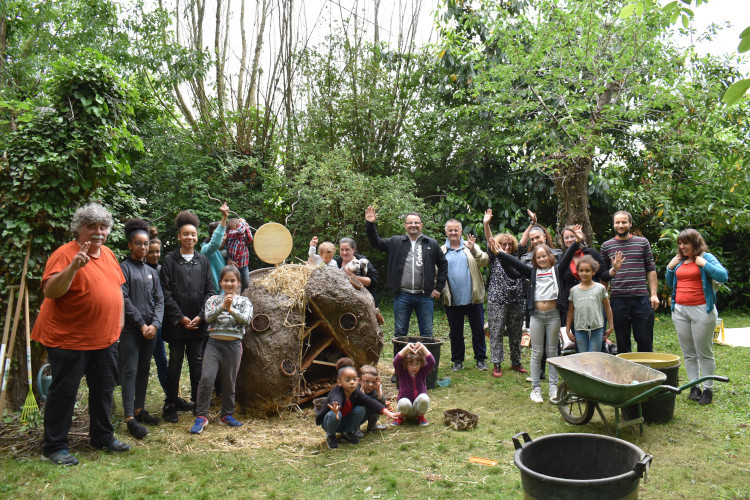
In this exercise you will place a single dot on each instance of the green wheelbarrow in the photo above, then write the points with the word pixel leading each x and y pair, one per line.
pixel 591 379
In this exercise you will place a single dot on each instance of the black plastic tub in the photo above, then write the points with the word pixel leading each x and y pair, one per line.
pixel 432 344
pixel 658 409
pixel 579 467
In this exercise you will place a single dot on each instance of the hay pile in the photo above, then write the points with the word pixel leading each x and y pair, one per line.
pixel 288 280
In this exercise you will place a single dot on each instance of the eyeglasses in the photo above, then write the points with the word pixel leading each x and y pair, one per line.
pixel 140 244
pixel 413 223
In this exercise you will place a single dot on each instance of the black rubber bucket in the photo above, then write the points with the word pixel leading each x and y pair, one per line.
pixel 579 467
pixel 432 344
pixel 659 408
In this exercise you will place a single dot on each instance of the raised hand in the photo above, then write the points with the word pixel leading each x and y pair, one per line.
pixel 470 240
pixel 493 246
pixel 224 209
pixel 370 215
pixel 532 216
pixel 335 409
pixel 81 258
pixel 578 230
pixel 314 241
pixel 487 216
pixel 617 261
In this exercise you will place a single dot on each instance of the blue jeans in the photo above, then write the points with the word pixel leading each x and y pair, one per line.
pixel 456 315
pixel 589 341
pixel 635 313
pixel 349 423
pixel 403 304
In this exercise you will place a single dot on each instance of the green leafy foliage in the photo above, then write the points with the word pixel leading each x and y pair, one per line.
pixel 332 197
pixel 68 151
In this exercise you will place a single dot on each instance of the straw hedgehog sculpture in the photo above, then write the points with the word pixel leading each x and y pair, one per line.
pixel 304 320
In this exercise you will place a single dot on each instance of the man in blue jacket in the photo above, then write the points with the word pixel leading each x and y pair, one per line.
pixel 412 259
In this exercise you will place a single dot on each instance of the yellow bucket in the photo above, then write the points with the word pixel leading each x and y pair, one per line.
pixel 651 359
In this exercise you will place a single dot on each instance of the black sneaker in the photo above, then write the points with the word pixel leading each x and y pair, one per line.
pixel 481 365
pixel 137 430
pixel 183 405
pixel 351 437
pixel 706 397
pixel 457 366
pixel 60 457
pixel 333 443
pixel 170 414
pixel 145 417
pixel 695 393
pixel 359 434
pixel 116 446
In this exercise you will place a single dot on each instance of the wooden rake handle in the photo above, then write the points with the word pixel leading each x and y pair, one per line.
pixel 14 330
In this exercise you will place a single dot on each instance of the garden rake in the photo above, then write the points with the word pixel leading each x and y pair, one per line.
pixel 14 329
pixel 6 329
pixel 30 408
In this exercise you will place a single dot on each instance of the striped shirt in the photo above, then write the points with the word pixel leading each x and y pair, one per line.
pixel 630 280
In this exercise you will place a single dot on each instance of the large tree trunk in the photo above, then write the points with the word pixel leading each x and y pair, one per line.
pixel 571 189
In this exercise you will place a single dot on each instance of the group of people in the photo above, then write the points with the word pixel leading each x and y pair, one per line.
pixel 105 320
pixel 591 293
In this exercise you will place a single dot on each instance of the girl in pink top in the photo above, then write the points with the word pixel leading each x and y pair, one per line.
pixel 412 365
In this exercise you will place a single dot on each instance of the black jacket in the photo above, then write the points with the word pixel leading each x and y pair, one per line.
pixel 186 287
pixel 372 273
pixel 142 296
pixel 398 247
pixel 358 398
pixel 529 272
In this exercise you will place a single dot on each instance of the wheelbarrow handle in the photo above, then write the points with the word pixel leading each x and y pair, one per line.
pixel 707 377
pixel 517 442
pixel 645 395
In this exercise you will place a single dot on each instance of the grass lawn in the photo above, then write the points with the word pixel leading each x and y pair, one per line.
pixel 703 453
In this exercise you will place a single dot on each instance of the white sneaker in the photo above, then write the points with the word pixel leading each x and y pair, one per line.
pixel 536 395
pixel 553 394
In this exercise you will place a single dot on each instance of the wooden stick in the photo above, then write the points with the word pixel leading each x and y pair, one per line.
pixel 6 328
pixel 16 317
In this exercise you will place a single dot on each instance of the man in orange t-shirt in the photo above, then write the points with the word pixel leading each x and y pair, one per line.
pixel 79 324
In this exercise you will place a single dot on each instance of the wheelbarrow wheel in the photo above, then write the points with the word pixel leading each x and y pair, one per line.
pixel 574 410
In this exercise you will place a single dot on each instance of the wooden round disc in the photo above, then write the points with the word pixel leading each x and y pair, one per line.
pixel 272 243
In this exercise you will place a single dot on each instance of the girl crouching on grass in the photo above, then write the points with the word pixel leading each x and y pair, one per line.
pixel 227 316
pixel 586 302
pixel 346 406
pixel 412 365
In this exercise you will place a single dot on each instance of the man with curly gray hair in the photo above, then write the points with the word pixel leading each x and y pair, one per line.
pixel 90 213
pixel 79 323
